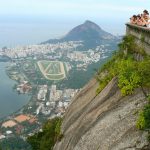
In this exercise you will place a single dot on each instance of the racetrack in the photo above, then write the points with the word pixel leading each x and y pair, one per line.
pixel 54 70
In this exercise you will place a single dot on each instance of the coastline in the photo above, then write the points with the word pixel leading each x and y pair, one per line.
pixel 4 117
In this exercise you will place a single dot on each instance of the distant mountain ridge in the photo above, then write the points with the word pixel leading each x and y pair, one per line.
pixel 88 32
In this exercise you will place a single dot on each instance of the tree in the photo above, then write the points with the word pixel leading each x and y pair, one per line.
pixel 46 139
pixel 14 143
pixel 143 121
pixel 127 44
pixel 144 71
pixel 128 76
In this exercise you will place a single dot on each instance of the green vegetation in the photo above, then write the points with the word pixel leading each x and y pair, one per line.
pixel 45 64
pixel 52 70
pixel 131 73
pixel 14 143
pixel 56 77
pixel 46 139
pixel 143 121
pixel 128 76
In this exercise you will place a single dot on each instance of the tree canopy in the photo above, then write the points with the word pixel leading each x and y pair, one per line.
pixel 46 139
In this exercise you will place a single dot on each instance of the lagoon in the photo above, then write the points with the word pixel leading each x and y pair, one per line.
pixel 10 100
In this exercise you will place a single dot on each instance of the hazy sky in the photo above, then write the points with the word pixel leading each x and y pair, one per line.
pixel 53 18
pixel 80 8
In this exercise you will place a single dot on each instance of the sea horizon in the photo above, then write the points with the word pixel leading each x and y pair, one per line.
pixel 21 34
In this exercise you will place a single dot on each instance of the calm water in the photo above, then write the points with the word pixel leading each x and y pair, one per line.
pixel 10 101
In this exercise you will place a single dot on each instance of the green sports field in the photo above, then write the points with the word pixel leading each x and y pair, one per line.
pixel 52 70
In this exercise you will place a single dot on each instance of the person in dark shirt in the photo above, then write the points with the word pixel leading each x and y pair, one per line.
pixel 133 19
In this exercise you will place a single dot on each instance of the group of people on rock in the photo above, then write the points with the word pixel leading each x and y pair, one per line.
pixel 141 19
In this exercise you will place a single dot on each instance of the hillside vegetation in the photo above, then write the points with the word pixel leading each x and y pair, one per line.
pixel 131 65
pixel 46 139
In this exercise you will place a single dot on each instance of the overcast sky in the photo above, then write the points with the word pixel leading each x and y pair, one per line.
pixel 100 10
pixel 62 15
pixel 78 8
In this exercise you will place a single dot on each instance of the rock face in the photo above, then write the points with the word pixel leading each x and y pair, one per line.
pixel 141 35
pixel 106 121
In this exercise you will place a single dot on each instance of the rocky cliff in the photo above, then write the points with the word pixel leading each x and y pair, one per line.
pixel 106 121
pixel 141 34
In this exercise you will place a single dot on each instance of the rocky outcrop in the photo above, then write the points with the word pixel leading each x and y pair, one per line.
pixel 106 121
pixel 141 34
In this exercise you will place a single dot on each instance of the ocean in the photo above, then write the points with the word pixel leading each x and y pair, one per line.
pixel 19 34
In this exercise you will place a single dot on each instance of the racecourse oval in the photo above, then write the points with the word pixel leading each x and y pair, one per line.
pixel 52 70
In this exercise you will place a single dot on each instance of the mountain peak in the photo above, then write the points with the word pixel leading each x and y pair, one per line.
pixel 88 22
pixel 88 32
pixel 91 24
